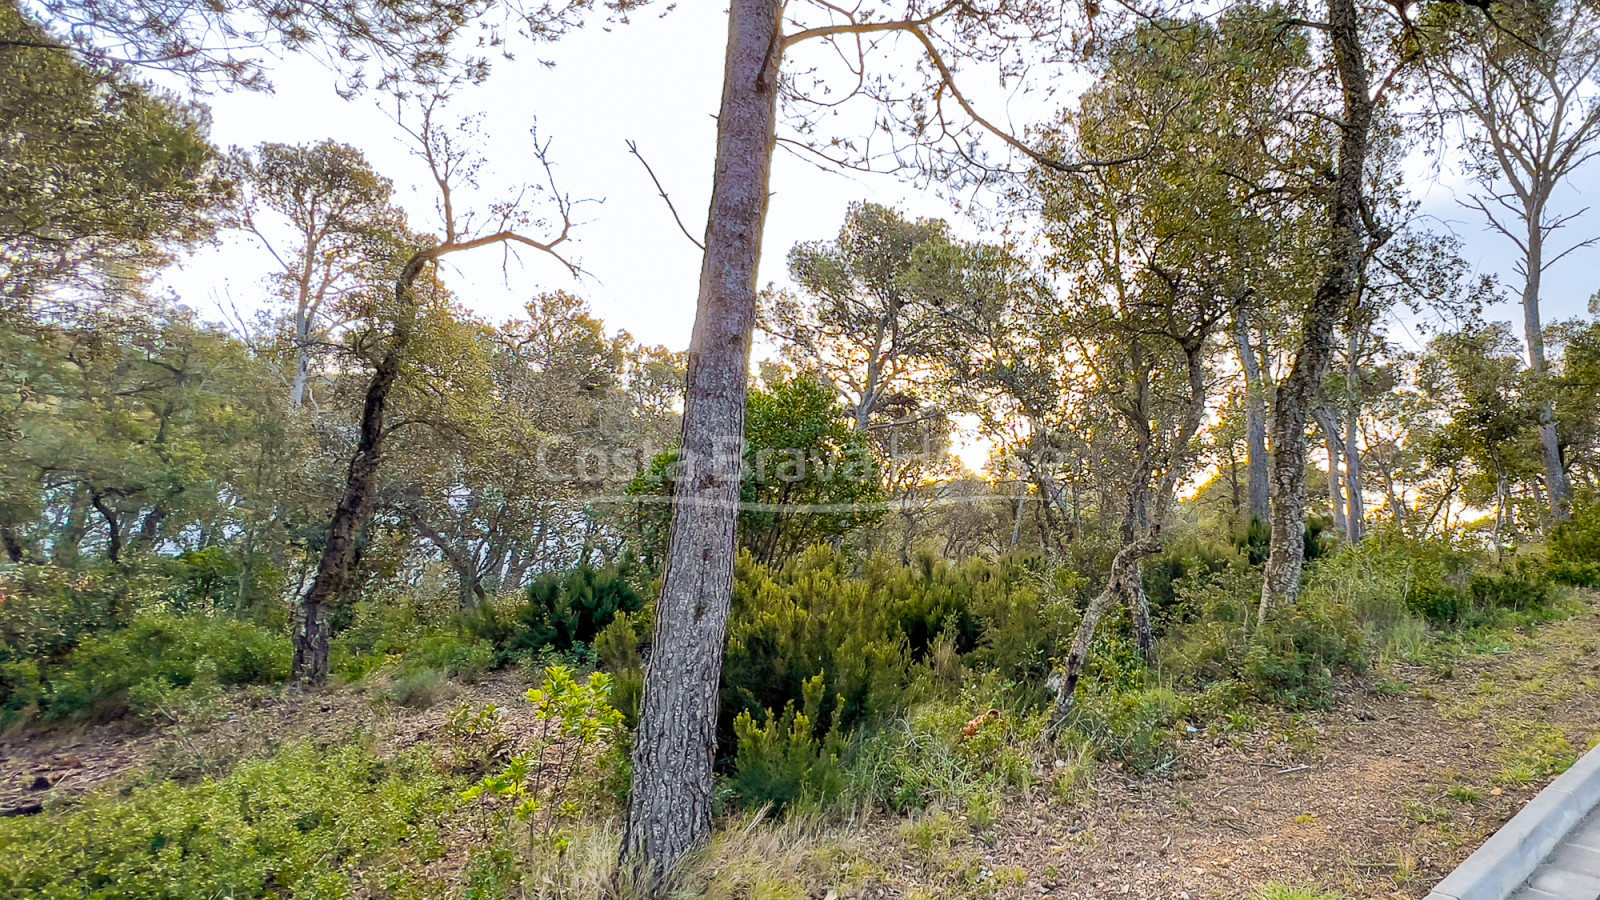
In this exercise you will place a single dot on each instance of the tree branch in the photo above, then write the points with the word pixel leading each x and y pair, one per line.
pixel 633 148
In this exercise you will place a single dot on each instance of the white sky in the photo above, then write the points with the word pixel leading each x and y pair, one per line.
pixel 658 81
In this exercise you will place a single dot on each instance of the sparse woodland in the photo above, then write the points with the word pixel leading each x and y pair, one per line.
pixel 1276 582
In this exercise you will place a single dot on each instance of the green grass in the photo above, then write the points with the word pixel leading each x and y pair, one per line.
pixel 1278 890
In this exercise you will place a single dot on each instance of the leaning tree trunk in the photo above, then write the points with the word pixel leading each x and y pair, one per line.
pixel 1126 576
pixel 336 569
pixel 669 807
pixel 1339 290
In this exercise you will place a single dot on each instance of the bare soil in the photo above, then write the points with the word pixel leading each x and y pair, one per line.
pixel 1378 797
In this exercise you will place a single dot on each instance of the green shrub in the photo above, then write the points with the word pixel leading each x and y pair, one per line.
pixel 419 688
pixel 782 761
pixel 1577 541
pixel 1178 561
pixel 1291 659
pixel 561 611
pixel 161 649
pixel 881 634
pixel 580 738
pixel 47 610
pixel 927 757
pixel 1513 592
pixel 303 823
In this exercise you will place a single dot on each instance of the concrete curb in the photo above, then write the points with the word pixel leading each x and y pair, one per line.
pixel 1508 857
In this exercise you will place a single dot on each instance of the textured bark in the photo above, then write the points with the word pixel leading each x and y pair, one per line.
pixel 1257 492
pixel 113 525
pixel 1559 488
pixel 1125 581
pixel 669 807
pixel 336 569
pixel 1337 292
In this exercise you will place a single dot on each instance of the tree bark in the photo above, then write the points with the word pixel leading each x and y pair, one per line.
pixel 1257 491
pixel 1354 481
pixel 669 808
pixel 113 525
pixel 335 570
pixel 1126 576
pixel 1559 488
pixel 1339 290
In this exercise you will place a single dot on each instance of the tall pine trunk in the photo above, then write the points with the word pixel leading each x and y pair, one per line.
pixel 1339 290
pixel 669 807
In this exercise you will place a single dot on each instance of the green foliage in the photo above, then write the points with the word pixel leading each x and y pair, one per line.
pixel 1177 561
pixel 807 476
pixel 46 610
pixel 473 738
pixel 157 651
pixel 304 823
pixel 1277 890
pixel 782 762
pixel 928 757
pixel 617 651
pixel 1575 548
pixel 412 639
pixel 581 736
pixel 562 611
pixel 1290 660
pixel 97 167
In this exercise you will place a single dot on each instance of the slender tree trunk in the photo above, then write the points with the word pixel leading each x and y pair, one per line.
pixel 113 526
pixel 1258 492
pixel 1330 439
pixel 1126 575
pixel 469 580
pixel 1339 290
pixel 1559 487
pixel 336 569
pixel 302 375
pixel 669 807
pixel 1354 481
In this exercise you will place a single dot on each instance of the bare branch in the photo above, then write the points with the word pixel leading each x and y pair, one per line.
pixel 633 148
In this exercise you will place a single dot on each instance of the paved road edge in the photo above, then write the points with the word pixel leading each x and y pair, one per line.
pixel 1511 854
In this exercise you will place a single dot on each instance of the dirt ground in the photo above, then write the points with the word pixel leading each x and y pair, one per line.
pixel 64 762
pixel 1377 797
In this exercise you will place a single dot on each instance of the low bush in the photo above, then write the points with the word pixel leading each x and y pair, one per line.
pixel 47 609
pixel 963 753
pixel 577 761
pixel 782 761
pixel 157 651
pixel 1292 659
pixel 560 612
pixel 304 823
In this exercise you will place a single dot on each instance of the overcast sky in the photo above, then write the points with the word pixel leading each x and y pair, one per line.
pixel 656 81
